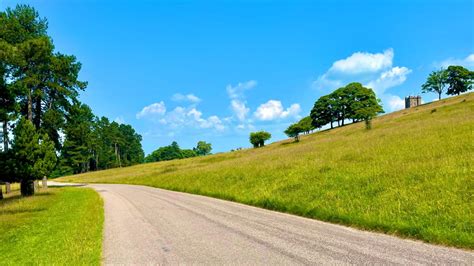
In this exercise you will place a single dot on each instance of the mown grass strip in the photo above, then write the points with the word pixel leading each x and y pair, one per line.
pixel 58 226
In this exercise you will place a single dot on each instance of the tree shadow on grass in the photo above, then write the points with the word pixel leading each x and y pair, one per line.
pixel 12 212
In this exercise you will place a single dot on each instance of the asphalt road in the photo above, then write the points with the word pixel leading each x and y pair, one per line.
pixel 145 225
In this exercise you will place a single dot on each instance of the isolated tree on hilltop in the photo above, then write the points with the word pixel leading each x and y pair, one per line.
pixel 459 80
pixel 258 138
pixel 436 82
pixel 203 148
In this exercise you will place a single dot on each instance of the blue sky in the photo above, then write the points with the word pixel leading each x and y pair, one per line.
pixel 217 70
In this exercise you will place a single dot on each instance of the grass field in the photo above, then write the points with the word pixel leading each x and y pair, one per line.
pixel 58 226
pixel 411 175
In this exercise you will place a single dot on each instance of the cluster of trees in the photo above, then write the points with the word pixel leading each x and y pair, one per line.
pixel 453 81
pixel 351 102
pixel 39 91
pixel 173 151
pixel 305 125
pixel 258 138
pixel 93 143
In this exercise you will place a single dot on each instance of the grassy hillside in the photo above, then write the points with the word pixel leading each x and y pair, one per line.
pixel 411 175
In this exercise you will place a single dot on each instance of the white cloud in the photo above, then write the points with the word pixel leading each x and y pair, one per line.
pixel 395 103
pixel 239 109
pixel 237 92
pixel 191 117
pixel 237 103
pixel 178 97
pixel 273 109
pixel 389 79
pixel 375 70
pixel 152 110
pixel 363 62
pixel 468 61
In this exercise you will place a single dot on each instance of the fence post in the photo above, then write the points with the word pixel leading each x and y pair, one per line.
pixel 8 188
pixel 45 183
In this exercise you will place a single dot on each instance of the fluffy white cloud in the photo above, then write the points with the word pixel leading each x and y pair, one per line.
pixel 468 61
pixel 395 103
pixel 239 109
pixel 152 110
pixel 375 70
pixel 178 97
pixel 273 109
pixel 236 92
pixel 363 62
pixel 237 103
pixel 389 79
pixel 191 117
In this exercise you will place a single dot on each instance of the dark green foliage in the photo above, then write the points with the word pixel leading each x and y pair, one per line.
pixel 436 82
pixel 76 151
pixel 305 125
pixel 294 131
pixel 258 138
pixel 350 102
pixel 173 152
pixel 166 153
pixel 42 86
pixel 203 148
pixel 459 80
pixel 34 154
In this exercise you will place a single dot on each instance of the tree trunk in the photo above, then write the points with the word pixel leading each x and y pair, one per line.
pixel 439 96
pixel 331 125
pixel 27 187
pixel 5 135
pixel 1 192
pixel 30 107
pixel 37 120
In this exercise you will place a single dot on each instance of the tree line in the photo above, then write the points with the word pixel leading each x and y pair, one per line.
pixel 53 132
pixel 173 151
pixel 453 81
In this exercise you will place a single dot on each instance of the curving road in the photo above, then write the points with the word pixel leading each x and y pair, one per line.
pixel 145 225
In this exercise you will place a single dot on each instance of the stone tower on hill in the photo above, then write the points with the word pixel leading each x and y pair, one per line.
pixel 412 101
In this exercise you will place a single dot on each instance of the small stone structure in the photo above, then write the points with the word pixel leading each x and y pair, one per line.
pixel 412 101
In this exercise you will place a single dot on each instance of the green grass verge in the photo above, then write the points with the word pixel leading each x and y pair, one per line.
pixel 411 175
pixel 57 226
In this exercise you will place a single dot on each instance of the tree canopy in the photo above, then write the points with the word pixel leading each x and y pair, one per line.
pixel 459 80
pixel 258 138
pixel 352 101
pixel 173 151
pixel 39 89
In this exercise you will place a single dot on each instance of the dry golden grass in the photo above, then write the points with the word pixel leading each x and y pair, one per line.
pixel 411 175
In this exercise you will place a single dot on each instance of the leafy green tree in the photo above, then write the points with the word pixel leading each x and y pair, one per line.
pixel 459 80
pixel 131 151
pixel 294 131
pixel 166 153
pixel 306 124
pixel 76 152
pixel 188 153
pixel 203 148
pixel 258 138
pixel 323 112
pixel 34 155
pixel 436 82
pixel 365 105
